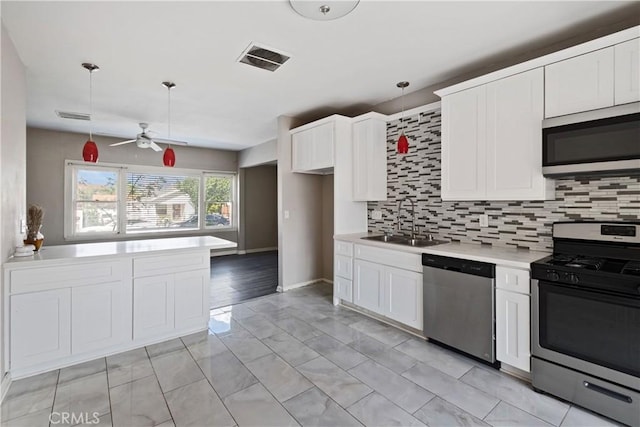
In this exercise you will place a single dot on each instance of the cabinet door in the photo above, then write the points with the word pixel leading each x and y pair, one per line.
pixel 153 306
pixel 403 299
pixel 627 80
pixel 369 160
pixel 192 299
pixel 343 266
pixel 514 159
pixel 322 152
pixel 463 145
pixel 579 84
pixel 101 316
pixel 302 150
pixel 512 329
pixel 368 285
pixel 40 327
pixel 342 288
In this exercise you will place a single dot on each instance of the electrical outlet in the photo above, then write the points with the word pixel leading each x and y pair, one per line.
pixel 376 215
pixel 286 214
pixel 23 226
pixel 483 220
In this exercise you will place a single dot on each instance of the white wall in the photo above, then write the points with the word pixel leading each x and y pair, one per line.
pixel 12 157
pixel 299 236
pixel 259 155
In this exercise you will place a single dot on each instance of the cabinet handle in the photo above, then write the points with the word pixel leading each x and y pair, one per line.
pixel 607 392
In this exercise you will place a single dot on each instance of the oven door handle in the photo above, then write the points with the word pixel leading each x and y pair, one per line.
pixel 607 392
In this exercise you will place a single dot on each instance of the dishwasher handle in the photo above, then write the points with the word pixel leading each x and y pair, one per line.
pixel 475 268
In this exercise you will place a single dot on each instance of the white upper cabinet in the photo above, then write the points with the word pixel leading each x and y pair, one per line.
pixel 513 138
pixel 491 136
pixel 312 148
pixel 463 145
pixel 580 84
pixel 627 72
pixel 370 159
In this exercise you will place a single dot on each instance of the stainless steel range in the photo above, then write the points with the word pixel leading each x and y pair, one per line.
pixel 586 318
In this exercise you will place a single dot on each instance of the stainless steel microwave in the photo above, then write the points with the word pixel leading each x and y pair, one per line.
pixel 603 141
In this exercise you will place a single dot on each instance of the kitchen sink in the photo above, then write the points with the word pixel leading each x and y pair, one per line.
pixel 407 241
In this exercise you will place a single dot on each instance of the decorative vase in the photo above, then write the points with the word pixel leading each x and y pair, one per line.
pixel 36 240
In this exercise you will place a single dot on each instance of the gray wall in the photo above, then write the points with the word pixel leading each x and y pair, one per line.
pixel 327 227
pixel 300 235
pixel 525 224
pixel 47 150
pixel 12 159
pixel 260 207
pixel 259 155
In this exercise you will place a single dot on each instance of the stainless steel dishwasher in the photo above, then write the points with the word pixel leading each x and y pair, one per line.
pixel 459 302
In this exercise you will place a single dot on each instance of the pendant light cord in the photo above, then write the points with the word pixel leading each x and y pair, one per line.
pixel 402 115
pixel 90 105
pixel 169 112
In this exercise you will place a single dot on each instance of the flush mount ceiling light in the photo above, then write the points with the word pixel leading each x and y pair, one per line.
pixel 323 10
pixel 90 149
pixel 169 156
pixel 403 142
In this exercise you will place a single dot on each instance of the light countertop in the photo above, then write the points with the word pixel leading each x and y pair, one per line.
pixel 508 257
pixel 126 247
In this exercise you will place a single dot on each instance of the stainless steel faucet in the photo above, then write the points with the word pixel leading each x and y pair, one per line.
pixel 413 216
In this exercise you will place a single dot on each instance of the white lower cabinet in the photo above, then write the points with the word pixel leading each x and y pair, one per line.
pixel 393 292
pixel 40 327
pixel 403 300
pixel 100 316
pixel 368 285
pixel 513 324
pixel 153 306
pixel 343 289
pixel 191 299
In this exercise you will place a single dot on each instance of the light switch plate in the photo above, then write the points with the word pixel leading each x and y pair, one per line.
pixel 23 226
pixel 483 220
pixel 286 214
pixel 376 215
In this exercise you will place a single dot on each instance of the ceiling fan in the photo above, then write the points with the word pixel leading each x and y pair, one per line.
pixel 144 140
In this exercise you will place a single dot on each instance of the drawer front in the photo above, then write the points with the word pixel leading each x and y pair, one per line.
pixel 66 276
pixel 344 266
pixel 513 279
pixel 343 248
pixel 343 289
pixel 405 260
pixel 167 264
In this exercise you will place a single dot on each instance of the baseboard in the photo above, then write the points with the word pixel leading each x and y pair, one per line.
pixel 252 251
pixel 326 280
pixel 4 386
pixel 516 372
pixel 302 284
pixel 222 253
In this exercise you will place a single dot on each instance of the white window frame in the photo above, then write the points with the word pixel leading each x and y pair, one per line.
pixel 123 170
pixel 234 200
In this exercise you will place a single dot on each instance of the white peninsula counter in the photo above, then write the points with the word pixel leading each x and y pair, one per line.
pixel 73 303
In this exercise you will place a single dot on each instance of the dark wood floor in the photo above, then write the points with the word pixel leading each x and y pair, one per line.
pixel 237 278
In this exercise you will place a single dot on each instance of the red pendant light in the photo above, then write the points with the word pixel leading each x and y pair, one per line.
pixel 90 149
pixel 169 156
pixel 403 141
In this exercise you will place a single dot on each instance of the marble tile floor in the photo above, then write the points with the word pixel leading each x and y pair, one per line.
pixel 286 359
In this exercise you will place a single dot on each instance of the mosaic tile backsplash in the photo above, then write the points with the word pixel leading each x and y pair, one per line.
pixel 524 224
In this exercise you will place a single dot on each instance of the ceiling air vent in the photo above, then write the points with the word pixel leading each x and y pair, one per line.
pixel 263 57
pixel 73 116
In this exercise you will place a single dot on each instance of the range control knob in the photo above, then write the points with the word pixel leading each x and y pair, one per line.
pixel 553 276
pixel 573 278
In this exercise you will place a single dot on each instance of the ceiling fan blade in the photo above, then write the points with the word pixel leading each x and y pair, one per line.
pixel 122 143
pixel 170 141
pixel 154 146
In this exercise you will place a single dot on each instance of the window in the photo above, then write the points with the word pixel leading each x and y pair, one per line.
pixel 107 200
pixel 160 202
pixel 218 200
pixel 94 201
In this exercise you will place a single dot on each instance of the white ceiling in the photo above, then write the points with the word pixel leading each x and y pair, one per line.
pixel 220 103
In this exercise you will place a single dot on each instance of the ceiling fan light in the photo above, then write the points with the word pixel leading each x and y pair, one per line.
pixel 169 157
pixel 403 144
pixel 90 151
